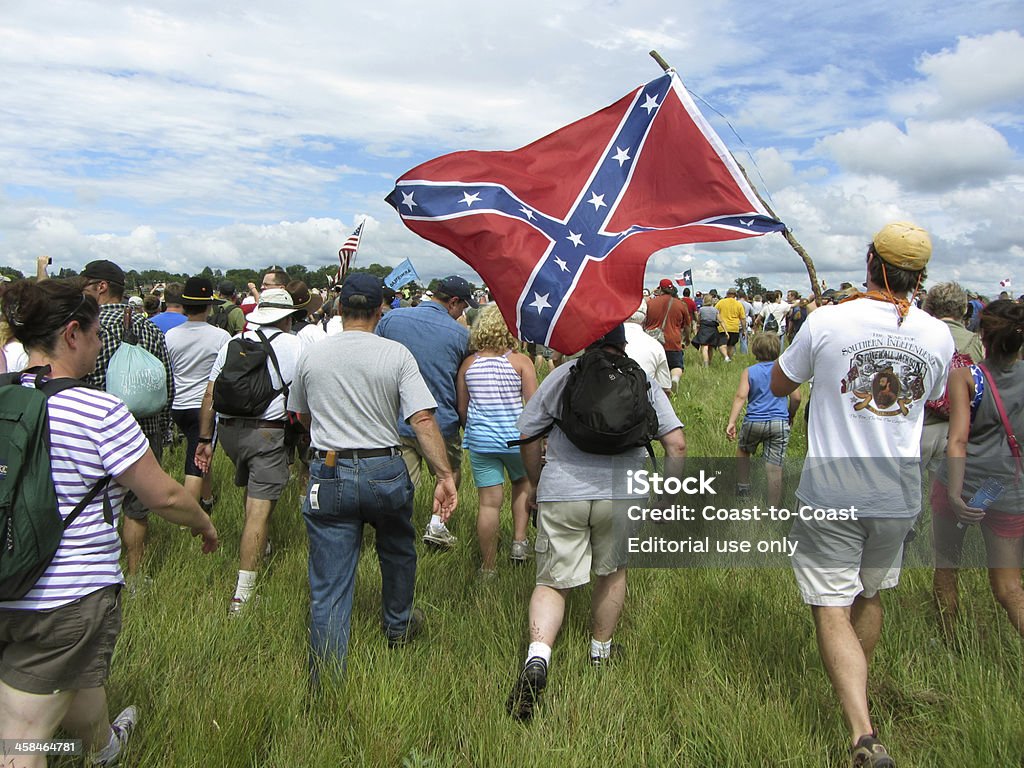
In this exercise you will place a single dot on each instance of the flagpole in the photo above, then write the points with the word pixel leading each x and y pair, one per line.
pixel 794 244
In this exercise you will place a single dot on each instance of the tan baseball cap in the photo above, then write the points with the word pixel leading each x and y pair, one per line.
pixel 903 245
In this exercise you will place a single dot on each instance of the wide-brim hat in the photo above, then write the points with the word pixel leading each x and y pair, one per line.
pixel 274 305
pixel 198 290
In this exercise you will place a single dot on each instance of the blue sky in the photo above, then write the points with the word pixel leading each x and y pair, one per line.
pixel 180 133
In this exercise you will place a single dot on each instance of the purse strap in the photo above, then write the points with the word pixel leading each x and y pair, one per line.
pixel 1010 436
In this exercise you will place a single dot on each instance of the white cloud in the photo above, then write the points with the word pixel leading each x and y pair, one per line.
pixel 984 73
pixel 927 156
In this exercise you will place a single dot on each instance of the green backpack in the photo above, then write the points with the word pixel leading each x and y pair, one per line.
pixel 30 523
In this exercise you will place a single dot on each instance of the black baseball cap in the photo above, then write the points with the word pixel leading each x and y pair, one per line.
pixel 104 270
pixel 362 290
pixel 453 285
pixel 616 337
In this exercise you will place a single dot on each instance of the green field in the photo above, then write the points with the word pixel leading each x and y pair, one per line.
pixel 720 666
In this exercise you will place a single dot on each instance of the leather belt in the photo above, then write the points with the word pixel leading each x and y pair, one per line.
pixel 329 457
pixel 253 423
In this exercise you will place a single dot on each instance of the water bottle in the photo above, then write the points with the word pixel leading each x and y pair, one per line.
pixel 989 492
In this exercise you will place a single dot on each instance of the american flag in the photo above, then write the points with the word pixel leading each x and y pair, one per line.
pixel 347 253
pixel 561 230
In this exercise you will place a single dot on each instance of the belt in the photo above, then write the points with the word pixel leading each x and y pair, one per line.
pixel 254 423
pixel 329 457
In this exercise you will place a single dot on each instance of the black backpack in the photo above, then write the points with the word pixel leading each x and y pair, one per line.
pixel 31 527
pixel 244 387
pixel 771 325
pixel 219 317
pixel 605 407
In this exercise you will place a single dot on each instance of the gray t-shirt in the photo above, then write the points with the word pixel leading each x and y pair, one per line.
pixel 356 386
pixel 574 475
pixel 192 348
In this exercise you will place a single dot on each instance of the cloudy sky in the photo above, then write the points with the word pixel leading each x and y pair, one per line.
pixel 180 134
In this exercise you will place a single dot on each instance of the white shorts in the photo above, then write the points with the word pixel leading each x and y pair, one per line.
pixel 835 561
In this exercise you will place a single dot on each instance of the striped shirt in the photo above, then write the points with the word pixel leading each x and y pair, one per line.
pixel 495 402
pixel 92 435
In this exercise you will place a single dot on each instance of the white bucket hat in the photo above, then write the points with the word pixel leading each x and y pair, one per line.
pixel 274 304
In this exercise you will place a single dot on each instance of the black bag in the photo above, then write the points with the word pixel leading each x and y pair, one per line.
pixel 219 317
pixel 605 407
pixel 244 387
pixel 771 325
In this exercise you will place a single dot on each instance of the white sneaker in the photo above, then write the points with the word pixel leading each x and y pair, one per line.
pixel 439 536
pixel 120 731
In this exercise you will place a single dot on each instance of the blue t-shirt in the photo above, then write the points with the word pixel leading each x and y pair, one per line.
pixel 167 320
pixel 439 345
pixel 762 405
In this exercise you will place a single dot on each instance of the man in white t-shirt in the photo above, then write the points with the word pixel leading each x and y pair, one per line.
pixel 776 309
pixel 647 351
pixel 256 444
pixel 875 361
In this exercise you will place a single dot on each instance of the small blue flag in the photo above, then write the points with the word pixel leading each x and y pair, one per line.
pixel 400 275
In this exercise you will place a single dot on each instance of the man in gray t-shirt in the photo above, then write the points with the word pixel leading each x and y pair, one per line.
pixel 581 499
pixel 350 391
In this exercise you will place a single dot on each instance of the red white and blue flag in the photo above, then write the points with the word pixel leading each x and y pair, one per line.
pixel 685 278
pixel 561 230
pixel 347 253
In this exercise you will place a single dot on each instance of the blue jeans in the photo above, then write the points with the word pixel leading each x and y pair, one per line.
pixel 338 502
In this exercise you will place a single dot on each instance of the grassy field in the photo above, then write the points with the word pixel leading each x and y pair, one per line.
pixel 720 666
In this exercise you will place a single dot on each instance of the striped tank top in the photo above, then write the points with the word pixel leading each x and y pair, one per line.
pixel 495 402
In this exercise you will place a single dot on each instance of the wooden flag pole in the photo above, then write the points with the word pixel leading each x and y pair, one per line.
pixel 800 251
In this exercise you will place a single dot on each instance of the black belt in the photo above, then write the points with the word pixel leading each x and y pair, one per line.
pixel 253 423
pixel 353 453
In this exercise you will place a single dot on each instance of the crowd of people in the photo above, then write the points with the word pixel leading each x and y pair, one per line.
pixel 356 390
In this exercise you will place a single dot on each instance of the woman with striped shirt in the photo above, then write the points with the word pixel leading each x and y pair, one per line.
pixel 57 640
pixel 491 388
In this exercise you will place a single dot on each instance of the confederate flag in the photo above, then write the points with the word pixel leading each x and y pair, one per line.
pixel 562 229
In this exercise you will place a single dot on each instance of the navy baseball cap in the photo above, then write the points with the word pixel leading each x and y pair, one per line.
pixel 362 290
pixel 453 285
pixel 616 337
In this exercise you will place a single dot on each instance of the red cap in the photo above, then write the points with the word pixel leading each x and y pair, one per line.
pixel 665 283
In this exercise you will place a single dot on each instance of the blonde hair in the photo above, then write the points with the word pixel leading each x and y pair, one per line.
pixel 490 331
pixel 765 347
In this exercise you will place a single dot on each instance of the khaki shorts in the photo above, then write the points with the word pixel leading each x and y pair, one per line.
pixel 260 458
pixel 835 561
pixel 63 649
pixel 577 537
pixel 413 456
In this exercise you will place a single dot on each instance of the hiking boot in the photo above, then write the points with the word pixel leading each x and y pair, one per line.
pixel 120 730
pixel 614 656
pixel 439 537
pixel 520 551
pixel 742 490
pixel 207 504
pixel 527 690
pixel 414 628
pixel 868 752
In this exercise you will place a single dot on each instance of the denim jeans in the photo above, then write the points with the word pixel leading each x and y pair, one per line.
pixel 339 501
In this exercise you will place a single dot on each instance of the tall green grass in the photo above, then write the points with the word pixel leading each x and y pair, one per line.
pixel 720 666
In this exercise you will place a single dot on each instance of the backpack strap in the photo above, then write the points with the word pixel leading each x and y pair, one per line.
pixel 51 387
pixel 543 433
pixel 273 358
pixel 1010 436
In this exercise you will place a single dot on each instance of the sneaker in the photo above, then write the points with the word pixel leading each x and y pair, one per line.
pixel 527 690
pixel 120 730
pixel 439 537
pixel 484 575
pixel 239 606
pixel 868 752
pixel 742 490
pixel 268 550
pixel 207 504
pixel 614 655
pixel 414 628
pixel 520 551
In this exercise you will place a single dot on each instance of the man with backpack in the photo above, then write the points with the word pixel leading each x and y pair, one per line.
pixel 248 389
pixel 104 281
pixel 227 315
pixel 599 411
